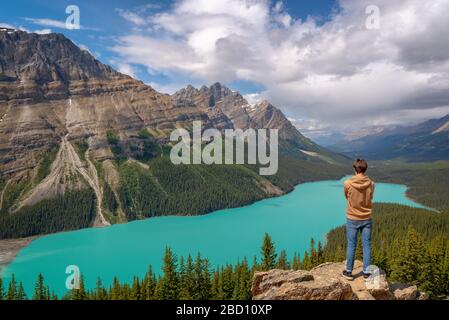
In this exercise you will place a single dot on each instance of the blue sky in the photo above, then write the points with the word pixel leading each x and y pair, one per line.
pixel 104 24
pixel 322 62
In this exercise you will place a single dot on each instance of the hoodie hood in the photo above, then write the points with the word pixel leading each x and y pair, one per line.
pixel 360 182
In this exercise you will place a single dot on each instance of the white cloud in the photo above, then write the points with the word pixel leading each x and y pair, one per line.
pixel 131 17
pixel 10 26
pixel 338 72
pixel 54 23
pixel 6 25
pixel 47 22
pixel 43 31
pixel 127 69
pixel 253 98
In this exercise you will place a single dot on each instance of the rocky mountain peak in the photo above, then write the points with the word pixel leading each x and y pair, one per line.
pixel 45 58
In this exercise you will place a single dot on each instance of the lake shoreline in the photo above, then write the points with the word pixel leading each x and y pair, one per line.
pixel 9 248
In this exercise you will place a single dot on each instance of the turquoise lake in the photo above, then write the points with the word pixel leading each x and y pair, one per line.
pixel 311 210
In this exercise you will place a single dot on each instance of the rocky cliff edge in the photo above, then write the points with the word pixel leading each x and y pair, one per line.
pixel 326 283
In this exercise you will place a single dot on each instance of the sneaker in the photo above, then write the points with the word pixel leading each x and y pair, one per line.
pixel 366 275
pixel 347 275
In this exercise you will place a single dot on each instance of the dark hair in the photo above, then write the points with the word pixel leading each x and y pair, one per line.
pixel 360 166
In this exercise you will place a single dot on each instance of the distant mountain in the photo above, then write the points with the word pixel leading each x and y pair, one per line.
pixel 427 141
pixel 84 145
pixel 229 109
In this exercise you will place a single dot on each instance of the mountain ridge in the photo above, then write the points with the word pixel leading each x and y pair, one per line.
pixel 426 141
pixel 71 126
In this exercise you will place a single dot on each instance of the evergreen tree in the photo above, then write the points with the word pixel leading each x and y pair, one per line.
pixel 115 292
pixel 244 282
pixel 268 252
pixel 408 262
pixel 54 296
pixel 40 292
pixel 47 293
pixel 12 289
pixel 201 285
pixel 99 292
pixel 186 280
pixel 312 253
pixel 296 264
pixel 135 289
pixel 320 254
pixel 77 294
pixel 306 263
pixel 283 262
pixel 215 285
pixel 255 265
pixel 21 295
pixel 2 293
pixel 169 286
pixel 149 284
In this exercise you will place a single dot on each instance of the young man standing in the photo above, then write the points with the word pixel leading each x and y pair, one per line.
pixel 359 191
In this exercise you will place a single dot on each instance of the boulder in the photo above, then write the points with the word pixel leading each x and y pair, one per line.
pixel 325 282
pixel 298 285
pixel 404 292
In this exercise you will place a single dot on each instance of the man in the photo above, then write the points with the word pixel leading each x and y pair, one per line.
pixel 359 191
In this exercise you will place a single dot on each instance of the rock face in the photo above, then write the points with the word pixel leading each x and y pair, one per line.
pixel 326 283
pixel 50 89
pixel 228 109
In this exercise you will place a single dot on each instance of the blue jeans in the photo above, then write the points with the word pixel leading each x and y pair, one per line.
pixel 352 229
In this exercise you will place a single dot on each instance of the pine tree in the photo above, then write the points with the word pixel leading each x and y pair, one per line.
pixel 244 285
pixel 201 285
pixel 54 296
pixel 255 265
pixel 408 261
pixel 282 261
pixel 306 264
pixel 150 284
pixel 226 285
pixel 296 262
pixel 135 289
pixel 100 292
pixel 169 287
pixel 268 252
pixel 21 295
pixel 115 291
pixel 320 253
pixel 215 285
pixel 313 253
pixel 47 293
pixel 12 289
pixel 39 289
pixel 185 279
pixel 2 293
pixel 80 293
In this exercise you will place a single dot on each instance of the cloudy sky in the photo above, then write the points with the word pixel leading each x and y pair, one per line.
pixel 329 65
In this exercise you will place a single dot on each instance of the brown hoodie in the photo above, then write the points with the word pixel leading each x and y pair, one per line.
pixel 359 191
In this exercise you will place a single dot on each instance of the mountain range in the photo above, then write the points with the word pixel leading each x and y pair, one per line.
pixel 84 145
pixel 427 141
